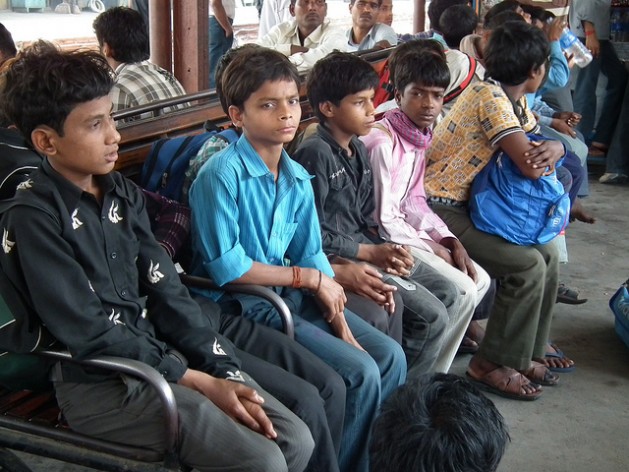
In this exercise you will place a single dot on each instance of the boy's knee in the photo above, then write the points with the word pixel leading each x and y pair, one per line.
pixel 299 448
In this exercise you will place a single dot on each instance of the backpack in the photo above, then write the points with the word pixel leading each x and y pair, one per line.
pixel 165 167
pixel 521 210
pixel 385 89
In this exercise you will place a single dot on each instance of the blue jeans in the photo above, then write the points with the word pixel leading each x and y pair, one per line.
pixel 370 377
pixel 617 160
pixel 584 98
pixel 219 45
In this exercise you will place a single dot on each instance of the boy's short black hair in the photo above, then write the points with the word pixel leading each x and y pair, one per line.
pixel 456 22
pixel 7 46
pixel 226 59
pixel 440 422
pixel 502 18
pixel 505 5
pixel 538 13
pixel 514 50
pixel 43 85
pixel 410 46
pixel 246 73
pixel 422 66
pixel 436 9
pixel 336 76
pixel 125 31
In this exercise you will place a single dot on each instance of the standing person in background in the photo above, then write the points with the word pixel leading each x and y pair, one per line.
pixel 273 13
pixel 222 13
pixel 589 21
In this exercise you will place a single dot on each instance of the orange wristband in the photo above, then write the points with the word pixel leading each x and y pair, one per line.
pixel 589 33
pixel 296 277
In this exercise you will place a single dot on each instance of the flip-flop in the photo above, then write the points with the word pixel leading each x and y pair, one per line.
pixel 559 354
pixel 506 382
pixel 569 296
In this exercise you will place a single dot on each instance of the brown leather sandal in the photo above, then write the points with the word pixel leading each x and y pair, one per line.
pixel 506 382
pixel 539 374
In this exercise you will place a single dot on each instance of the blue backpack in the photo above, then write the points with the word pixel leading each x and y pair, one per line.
pixel 521 210
pixel 164 170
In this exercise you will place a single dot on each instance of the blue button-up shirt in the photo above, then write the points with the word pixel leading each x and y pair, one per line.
pixel 240 214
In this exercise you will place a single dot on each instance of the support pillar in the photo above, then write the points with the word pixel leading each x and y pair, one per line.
pixel 190 44
pixel 160 34
pixel 419 16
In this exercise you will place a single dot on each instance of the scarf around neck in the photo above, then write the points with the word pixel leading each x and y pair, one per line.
pixel 404 127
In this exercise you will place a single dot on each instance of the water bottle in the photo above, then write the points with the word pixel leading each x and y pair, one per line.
pixel 616 26
pixel 572 46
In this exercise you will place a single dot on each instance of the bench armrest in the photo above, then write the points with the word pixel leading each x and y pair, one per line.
pixel 273 298
pixel 144 372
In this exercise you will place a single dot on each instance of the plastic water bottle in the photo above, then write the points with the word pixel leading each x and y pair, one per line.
pixel 616 26
pixel 572 46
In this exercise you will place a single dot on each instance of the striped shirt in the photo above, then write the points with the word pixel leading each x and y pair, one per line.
pixel 142 83
pixel 240 214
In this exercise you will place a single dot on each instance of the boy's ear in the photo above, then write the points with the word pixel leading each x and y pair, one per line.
pixel 235 114
pixel 398 97
pixel 291 9
pixel 43 139
pixel 106 50
pixel 327 109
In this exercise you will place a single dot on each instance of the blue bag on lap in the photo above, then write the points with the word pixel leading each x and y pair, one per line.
pixel 521 210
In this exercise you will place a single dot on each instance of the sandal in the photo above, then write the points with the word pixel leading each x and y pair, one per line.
pixel 539 374
pixel 569 296
pixel 506 382
pixel 558 354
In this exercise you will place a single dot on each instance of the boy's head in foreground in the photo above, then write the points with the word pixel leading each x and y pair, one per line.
pixel 261 92
pixel 517 53
pixel 420 80
pixel 439 423
pixel 341 87
pixel 59 100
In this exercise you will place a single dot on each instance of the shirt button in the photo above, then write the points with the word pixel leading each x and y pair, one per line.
pixel 123 293
pixel 114 255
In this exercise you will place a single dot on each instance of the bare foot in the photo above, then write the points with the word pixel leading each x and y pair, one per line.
pixel 554 358
pixel 502 380
pixel 578 212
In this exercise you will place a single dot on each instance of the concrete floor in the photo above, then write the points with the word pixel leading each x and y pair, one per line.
pixel 582 425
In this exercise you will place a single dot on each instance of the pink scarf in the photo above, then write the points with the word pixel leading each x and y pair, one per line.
pixel 405 128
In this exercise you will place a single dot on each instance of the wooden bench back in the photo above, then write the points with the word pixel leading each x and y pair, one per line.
pixel 138 136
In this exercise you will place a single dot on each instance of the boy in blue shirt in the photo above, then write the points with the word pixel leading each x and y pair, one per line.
pixel 253 207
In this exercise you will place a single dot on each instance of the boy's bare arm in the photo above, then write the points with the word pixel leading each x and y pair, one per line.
pixel 328 293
